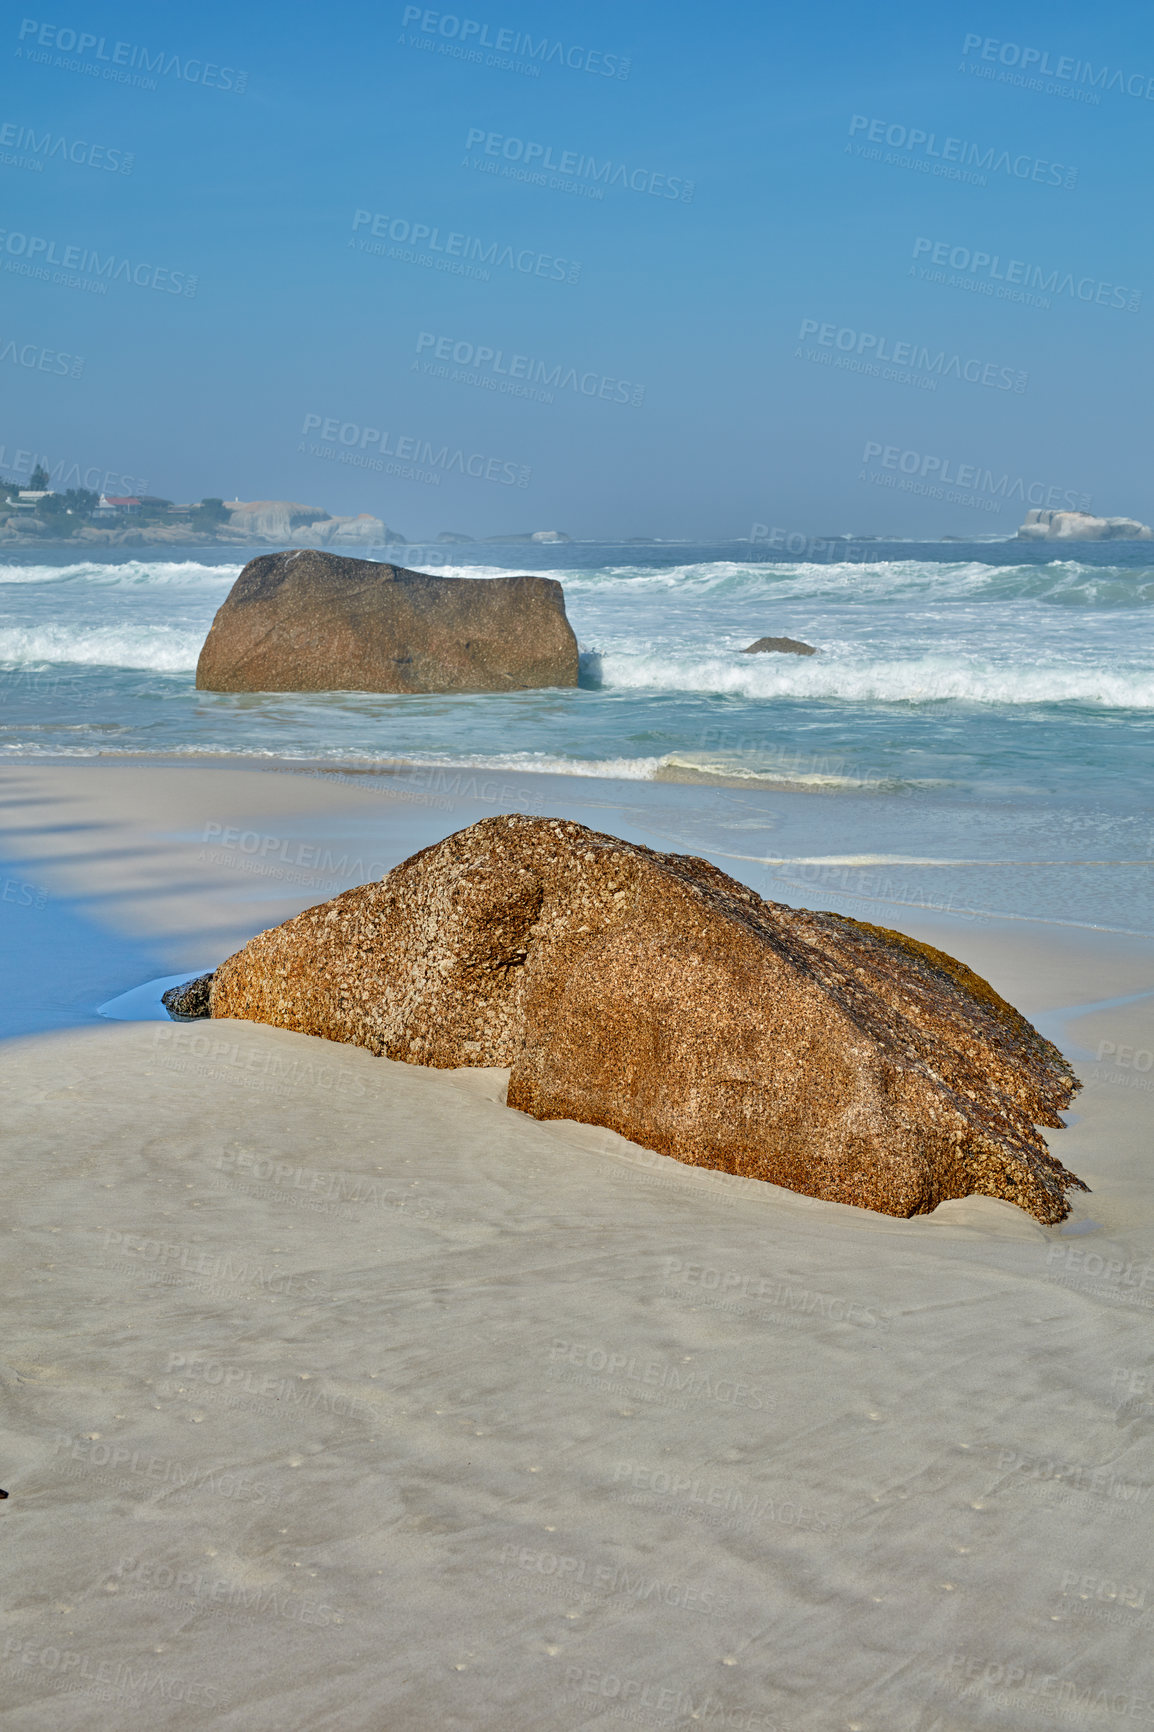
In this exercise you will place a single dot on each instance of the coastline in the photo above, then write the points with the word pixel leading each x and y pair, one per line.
pixel 812 839
pixel 331 1341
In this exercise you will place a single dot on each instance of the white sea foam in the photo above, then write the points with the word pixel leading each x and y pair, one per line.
pixel 465 774
pixel 916 680
pixel 1064 582
pixel 987 652
pixel 541 764
pixel 150 644
pixel 156 647
pixel 761 769
pixel 134 573
pixel 434 569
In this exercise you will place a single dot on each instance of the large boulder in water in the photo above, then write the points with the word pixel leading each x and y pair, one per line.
pixel 652 994
pixel 315 622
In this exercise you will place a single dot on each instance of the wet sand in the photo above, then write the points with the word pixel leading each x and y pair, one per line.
pixel 338 1395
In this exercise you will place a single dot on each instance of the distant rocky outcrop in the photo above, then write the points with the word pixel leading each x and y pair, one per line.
pixel 545 535
pixel 311 621
pixel 283 521
pixel 652 994
pixel 789 646
pixel 274 519
pixel 1081 526
pixel 364 530
pixel 451 535
pixel 269 522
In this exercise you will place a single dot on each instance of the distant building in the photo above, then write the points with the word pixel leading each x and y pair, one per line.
pixel 111 507
pixel 28 500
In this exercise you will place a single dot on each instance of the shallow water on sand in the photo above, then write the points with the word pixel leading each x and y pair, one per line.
pixel 987 708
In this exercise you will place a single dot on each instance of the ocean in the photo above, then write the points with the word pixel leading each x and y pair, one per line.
pixel 990 703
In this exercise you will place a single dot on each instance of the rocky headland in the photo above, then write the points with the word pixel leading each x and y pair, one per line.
pixel 241 523
pixel 252 523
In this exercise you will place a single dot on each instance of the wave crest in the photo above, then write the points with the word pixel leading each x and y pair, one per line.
pixel 155 648
pixel 916 680
pixel 134 573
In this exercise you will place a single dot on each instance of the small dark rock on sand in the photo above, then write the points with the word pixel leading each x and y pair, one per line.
pixel 786 646
pixel 185 1003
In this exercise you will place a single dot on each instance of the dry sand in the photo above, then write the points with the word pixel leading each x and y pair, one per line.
pixel 337 1396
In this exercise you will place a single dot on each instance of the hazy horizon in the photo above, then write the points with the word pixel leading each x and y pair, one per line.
pixel 828 273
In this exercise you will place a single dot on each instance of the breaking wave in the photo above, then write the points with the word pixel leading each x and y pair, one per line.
pixel 916 680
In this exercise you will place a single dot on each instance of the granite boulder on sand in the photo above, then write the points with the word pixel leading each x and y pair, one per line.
pixel 309 621
pixel 652 994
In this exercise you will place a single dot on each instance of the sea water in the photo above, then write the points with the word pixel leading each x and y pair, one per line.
pixel 970 705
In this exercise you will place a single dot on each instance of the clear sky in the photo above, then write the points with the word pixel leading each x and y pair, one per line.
pixel 846 261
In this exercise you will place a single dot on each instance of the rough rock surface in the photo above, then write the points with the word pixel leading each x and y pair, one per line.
pixel 314 622
pixel 790 646
pixel 652 994
pixel 192 999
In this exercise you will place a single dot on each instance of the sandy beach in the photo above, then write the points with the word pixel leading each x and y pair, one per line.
pixel 642 508
pixel 339 1395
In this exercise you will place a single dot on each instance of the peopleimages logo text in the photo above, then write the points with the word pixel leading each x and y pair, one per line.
pixel 943 471
pixel 920 357
pixel 484 360
pixel 47 145
pixel 468 249
pixel 1037 62
pixel 1019 165
pixel 471 33
pixel 103 1674
pixel 574 162
pixel 64 474
pixel 38 253
pixel 35 357
pixel 1034 278
pixel 130 56
pixel 409 447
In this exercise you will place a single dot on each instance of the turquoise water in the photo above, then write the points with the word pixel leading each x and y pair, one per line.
pixel 963 674
pixel 983 703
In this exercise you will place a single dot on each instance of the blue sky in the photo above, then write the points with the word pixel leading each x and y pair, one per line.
pixel 793 261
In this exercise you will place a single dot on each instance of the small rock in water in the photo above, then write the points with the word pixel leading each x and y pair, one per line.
pixel 788 646
pixel 193 999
